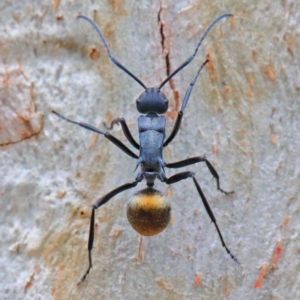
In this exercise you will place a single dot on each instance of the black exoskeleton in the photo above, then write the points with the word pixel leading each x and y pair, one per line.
pixel 151 103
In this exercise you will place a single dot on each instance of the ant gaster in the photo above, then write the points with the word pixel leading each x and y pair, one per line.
pixel 149 212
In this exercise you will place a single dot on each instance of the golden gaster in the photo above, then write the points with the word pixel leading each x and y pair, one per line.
pixel 148 212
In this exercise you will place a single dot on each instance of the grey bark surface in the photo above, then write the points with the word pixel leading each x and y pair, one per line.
pixel 243 115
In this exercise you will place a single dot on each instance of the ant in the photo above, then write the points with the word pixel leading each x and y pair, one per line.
pixel 148 211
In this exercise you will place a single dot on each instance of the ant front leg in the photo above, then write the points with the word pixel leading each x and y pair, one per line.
pixel 96 205
pixel 189 90
pixel 110 137
pixel 184 175
pixel 194 160
pixel 184 103
pixel 125 129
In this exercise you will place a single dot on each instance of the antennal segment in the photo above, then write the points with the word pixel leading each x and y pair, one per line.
pixel 196 50
pixel 114 60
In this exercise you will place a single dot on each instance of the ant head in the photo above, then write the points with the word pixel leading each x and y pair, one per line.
pixel 152 100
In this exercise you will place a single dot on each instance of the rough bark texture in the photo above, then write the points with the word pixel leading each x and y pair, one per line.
pixel 243 115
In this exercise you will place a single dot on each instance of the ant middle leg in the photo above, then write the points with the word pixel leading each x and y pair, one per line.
pixel 107 135
pixel 184 175
pixel 194 160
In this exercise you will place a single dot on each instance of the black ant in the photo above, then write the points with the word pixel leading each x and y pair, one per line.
pixel 148 211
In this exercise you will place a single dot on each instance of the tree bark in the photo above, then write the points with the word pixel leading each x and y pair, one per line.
pixel 243 115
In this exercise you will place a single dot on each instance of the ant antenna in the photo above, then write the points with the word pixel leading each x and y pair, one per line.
pixel 189 90
pixel 118 64
pixel 196 50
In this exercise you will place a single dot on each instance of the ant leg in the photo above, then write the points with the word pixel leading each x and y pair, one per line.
pixel 216 176
pixel 96 205
pixel 194 160
pixel 110 137
pixel 184 103
pixel 184 175
pixel 175 129
pixel 185 162
pixel 125 129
